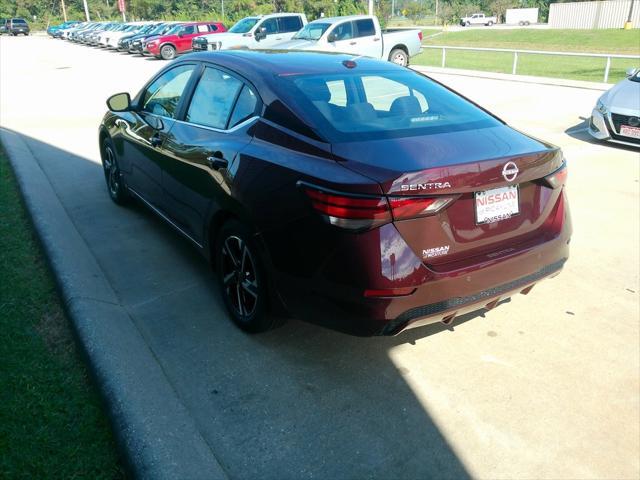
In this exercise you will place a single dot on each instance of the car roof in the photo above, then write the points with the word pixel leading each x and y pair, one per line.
pixel 267 63
pixel 341 19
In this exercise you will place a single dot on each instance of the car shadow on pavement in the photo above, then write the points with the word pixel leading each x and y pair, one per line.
pixel 579 131
pixel 296 402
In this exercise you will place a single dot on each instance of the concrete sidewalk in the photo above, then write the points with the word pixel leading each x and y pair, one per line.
pixel 157 436
pixel 545 386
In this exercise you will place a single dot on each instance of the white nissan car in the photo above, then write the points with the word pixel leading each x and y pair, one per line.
pixel 616 116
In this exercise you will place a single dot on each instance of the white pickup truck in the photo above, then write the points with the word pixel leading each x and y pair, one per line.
pixel 358 35
pixel 478 19
pixel 260 31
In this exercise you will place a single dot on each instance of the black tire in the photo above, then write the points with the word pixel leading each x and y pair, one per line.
pixel 521 23
pixel 112 175
pixel 489 24
pixel 399 57
pixel 242 279
pixel 527 23
pixel 467 24
pixel 167 52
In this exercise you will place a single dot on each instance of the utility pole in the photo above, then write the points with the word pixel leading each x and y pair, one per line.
pixel 370 7
pixel 436 10
pixel 86 10
pixel 629 25
pixel 64 10
pixel 222 1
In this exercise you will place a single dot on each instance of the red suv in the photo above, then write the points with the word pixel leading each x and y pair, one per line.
pixel 178 39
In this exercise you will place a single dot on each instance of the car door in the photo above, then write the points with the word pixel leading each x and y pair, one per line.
pixel 142 145
pixel 273 35
pixel 183 40
pixel 288 25
pixel 341 38
pixel 368 43
pixel 204 143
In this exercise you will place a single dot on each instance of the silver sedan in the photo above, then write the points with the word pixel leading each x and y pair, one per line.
pixel 616 116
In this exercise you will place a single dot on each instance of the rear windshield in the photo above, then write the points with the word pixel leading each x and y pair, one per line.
pixel 19 20
pixel 390 104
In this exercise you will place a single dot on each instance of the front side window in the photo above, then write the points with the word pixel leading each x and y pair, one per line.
pixel 365 28
pixel 344 31
pixel 189 29
pixel 163 95
pixel 290 24
pixel 213 99
pixel 374 105
pixel 270 25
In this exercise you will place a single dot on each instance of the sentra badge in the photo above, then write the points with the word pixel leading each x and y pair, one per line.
pixel 412 187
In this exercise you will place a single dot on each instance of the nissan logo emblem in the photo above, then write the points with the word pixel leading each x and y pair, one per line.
pixel 510 171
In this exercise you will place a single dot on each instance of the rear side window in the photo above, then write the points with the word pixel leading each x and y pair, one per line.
pixel 203 28
pixel 289 24
pixel 213 99
pixel 245 107
pixel 213 27
pixel 365 28
pixel 163 95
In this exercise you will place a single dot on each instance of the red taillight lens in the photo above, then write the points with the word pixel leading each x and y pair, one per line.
pixel 364 212
pixel 355 213
pixel 404 208
pixel 557 178
pixel 420 35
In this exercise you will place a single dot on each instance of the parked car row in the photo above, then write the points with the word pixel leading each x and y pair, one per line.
pixel 358 35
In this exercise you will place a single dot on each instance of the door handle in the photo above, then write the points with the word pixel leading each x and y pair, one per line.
pixel 352 43
pixel 376 39
pixel 217 161
pixel 155 140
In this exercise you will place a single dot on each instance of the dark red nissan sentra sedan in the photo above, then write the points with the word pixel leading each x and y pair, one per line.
pixel 349 192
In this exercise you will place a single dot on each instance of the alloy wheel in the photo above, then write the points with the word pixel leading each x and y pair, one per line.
pixel 239 276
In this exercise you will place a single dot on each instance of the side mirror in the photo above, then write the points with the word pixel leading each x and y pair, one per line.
pixel 261 33
pixel 120 102
pixel 332 37
pixel 632 71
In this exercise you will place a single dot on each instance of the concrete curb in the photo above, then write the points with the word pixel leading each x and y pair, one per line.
pixel 156 434
pixel 558 82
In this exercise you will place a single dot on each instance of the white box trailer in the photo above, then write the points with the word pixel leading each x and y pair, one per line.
pixel 521 16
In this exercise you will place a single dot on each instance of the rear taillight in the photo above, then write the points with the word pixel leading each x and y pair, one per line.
pixel 359 212
pixel 420 35
pixel 352 212
pixel 557 178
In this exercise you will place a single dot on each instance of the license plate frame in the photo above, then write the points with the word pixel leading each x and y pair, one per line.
pixel 628 131
pixel 500 212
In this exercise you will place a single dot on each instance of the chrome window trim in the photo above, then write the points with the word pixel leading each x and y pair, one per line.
pixel 218 130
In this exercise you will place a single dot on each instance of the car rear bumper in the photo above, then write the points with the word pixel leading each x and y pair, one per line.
pixel 441 296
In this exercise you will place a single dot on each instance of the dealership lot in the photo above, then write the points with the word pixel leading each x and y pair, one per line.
pixel 546 386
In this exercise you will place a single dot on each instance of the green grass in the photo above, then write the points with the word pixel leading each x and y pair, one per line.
pixel 574 68
pixel 51 419
pixel 592 41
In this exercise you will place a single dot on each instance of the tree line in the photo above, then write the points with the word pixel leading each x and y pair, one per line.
pixel 43 12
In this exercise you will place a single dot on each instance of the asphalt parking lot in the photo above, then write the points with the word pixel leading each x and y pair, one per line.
pixel 546 386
